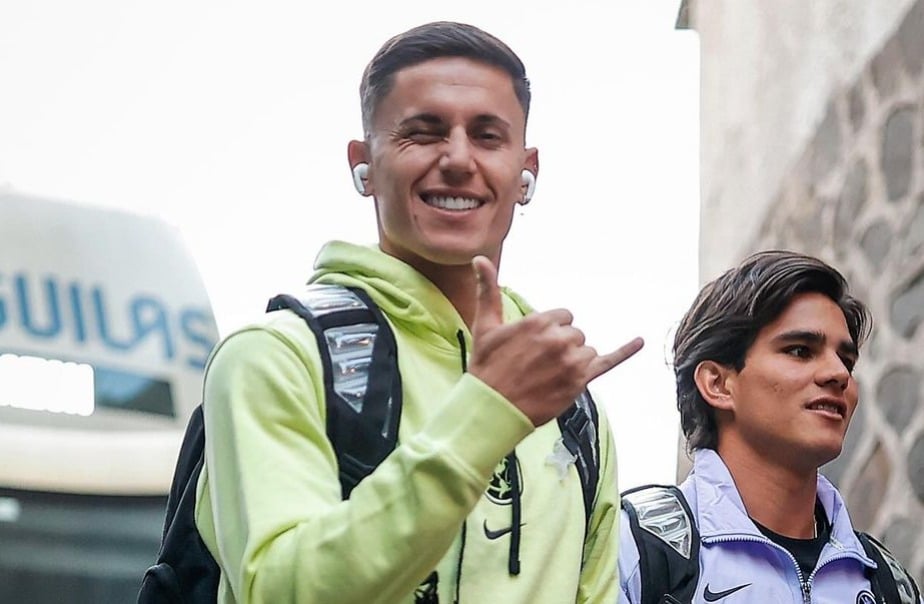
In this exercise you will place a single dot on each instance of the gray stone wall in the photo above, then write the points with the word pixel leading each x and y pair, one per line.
pixel 856 199
pixel 767 72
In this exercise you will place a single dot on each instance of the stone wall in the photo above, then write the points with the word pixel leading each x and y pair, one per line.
pixel 767 72
pixel 855 197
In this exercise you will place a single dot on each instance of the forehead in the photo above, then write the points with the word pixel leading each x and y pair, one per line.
pixel 450 88
pixel 810 312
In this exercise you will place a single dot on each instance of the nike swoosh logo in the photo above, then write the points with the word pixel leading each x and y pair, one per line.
pixel 712 596
pixel 492 535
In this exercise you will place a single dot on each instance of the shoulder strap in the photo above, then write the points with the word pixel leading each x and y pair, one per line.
pixel 579 426
pixel 667 540
pixel 363 396
pixel 362 383
pixel 185 570
pixel 891 583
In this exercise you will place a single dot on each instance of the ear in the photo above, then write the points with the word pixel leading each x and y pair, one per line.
pixel 531 164
pixel 532 160
pixel 358 153
pixel 715 383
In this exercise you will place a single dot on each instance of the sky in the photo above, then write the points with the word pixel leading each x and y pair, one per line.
pixel 230 120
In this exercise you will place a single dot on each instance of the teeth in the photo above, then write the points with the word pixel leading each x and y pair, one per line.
pixel 452 203
pixel 827 407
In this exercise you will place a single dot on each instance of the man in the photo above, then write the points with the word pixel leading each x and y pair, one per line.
pixel 444 161
pixel 764 365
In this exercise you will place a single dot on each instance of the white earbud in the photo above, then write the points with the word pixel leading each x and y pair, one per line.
pixel 529 181
pixel 360 173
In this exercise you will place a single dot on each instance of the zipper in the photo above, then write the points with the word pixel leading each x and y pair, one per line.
pixel 804 583
pixel 807 587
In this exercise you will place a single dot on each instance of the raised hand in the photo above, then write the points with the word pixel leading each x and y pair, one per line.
pixel 540 363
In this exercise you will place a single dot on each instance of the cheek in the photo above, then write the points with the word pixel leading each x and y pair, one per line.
pixel 504 176
pixel 852 394
pixel 397 170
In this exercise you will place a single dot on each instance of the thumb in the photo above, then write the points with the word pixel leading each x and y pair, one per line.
pixel 488 309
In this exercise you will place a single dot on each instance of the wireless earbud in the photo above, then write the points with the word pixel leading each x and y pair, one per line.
pixel 360 174
pixel 529 181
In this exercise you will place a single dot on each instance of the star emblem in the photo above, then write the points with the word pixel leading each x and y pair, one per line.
pixel 560 458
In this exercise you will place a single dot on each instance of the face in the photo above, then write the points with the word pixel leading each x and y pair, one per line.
pixel 445 160
pixel 794 397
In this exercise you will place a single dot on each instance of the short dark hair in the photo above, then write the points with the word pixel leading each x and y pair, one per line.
pixel 728 313
pixel 432 41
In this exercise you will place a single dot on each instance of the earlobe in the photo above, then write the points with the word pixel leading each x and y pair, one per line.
pixel 714 381
pixel 528 175
pixel 528 180
pixel 358 157
pixel 361 177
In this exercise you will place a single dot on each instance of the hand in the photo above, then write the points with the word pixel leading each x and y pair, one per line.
pixel 540 363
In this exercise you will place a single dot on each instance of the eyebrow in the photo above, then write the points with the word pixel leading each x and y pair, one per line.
pixel 427 118
pixel 434 120
pixel 492 120
pixel 816 337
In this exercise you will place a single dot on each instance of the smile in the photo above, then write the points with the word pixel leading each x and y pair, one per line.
pixel 455 204
pixel 828 406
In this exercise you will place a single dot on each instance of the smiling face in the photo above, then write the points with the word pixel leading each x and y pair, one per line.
pixel 794 398
pixel 445 157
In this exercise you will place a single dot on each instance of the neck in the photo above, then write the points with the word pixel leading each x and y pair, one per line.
pixel 775 495
pixel 458 285
pixel 455 281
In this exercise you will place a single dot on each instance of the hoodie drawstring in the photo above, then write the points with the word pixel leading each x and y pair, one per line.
pixel 513 560
pixel 461 337
pixel 513 472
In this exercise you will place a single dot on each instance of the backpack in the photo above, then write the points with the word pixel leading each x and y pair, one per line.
pixel 362 387
pixel 668 544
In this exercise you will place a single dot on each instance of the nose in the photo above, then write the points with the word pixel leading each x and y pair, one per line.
pixel 833 372
pixel 457 159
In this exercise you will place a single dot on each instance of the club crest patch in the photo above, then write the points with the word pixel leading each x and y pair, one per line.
pixel 500 489
pixel 865 597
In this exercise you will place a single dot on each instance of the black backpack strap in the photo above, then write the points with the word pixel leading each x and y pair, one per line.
pixel 579 427
pixel 891 583
pixel 185 570
pixel 667 540
pixel 362 389
pixel 362 383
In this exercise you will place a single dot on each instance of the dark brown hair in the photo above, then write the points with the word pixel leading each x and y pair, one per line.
pixel 432 41
pixel 728 313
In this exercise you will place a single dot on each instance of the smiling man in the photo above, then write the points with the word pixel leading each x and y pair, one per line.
pixel 764 365
pixel 481 500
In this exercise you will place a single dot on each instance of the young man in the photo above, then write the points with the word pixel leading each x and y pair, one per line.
pixel 444 162
pixel 764 361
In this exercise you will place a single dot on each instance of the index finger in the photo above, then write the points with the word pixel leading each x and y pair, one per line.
pixel 605 362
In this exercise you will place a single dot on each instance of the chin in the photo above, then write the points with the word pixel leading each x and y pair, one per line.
pixel 450 258
pixel 455 255
pixel 827 453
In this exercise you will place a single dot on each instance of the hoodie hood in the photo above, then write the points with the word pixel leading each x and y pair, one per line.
pixel 404 295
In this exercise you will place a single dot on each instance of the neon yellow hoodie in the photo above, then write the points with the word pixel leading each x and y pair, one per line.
pixel 269 504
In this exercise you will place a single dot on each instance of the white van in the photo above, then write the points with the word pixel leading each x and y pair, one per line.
pixel 105 327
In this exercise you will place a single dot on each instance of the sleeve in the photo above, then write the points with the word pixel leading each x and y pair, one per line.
pixel 599 574
pixel 281 532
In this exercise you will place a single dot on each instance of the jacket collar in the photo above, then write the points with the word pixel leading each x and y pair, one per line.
pixel 720 511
